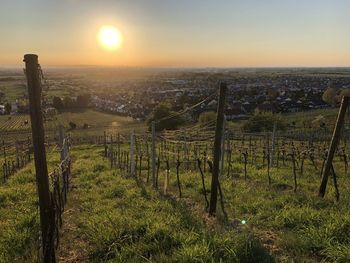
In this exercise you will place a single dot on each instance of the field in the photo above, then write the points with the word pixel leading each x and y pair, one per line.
pixel 112 217
pixel 116 219
pixel 17 127
pixel 271 214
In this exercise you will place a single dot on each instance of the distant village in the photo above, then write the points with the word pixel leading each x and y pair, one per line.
pixel 244 98
pixel 246 94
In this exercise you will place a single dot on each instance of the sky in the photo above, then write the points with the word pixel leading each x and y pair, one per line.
pixel 178 33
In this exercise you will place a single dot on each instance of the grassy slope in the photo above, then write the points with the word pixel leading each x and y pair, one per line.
pixel 294 226
pixel 111 218
pixel 115 219
pixel 90 117
pixel 19 221
pixel 14 127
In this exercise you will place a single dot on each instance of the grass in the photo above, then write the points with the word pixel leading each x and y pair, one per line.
pixel 19 218
pixel 13 89
pixel 113 218
pixel 17 127
pixel 123 220
pixel 293 226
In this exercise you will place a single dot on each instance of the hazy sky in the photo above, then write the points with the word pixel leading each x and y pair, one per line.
pixel 221 33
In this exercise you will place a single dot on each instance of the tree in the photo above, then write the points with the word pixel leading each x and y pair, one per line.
pixel 264 121
pixel 68 102
pixel 72 125
pixel 160 114
pixel 57 103
pixel 83 101
pixel 329 96
pixel 207 116
pixel 8 108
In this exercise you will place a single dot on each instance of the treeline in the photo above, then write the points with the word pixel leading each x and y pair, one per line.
pixel 81 101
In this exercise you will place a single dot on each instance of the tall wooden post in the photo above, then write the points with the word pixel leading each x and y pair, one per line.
pixel 153 152
pixel 333 146
pixel 38 135
pixel 217 149
pixel 223 148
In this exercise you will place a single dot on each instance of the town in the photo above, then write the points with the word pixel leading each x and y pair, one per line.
pixel 281 91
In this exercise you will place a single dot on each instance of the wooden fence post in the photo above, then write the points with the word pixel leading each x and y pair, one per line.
pixel 46 210
pixel 217 149
pixel 273 145
pixel 153 152
pixel 334 143
pixel 105 142
pixel 132 154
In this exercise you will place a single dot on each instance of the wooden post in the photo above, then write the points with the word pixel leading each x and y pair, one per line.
pixel 46 212
pixel 203 184
pixel 61 139
pixel 217 149
pixel 273 146
pixel 111 151
pixel 118 150
pixel 178 177
pixel 334 143
pixel 105 142
pixel 223 148
pixel 153 152
pixel 167 177
pixel 132 154
pixel 3 144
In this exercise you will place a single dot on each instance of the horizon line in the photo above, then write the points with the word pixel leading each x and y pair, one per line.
pixel 12 66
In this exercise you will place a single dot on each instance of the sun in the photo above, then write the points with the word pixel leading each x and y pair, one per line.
pixel 110 37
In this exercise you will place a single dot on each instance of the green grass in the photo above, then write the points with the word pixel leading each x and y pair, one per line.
pixel 291 225
pixel 123 220
pixel 14 127
pixel 13 89
pixel 110 218
pixel 19 215
pixel 113 218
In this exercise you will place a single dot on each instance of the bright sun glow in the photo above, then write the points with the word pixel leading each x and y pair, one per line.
pixel 110 37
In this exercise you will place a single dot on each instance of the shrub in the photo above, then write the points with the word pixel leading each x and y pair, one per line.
pixel 264 121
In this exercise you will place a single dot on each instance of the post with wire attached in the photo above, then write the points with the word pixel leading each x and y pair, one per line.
pixel 153 151
pixel 217 149
pixel 334 144
pixel 46 210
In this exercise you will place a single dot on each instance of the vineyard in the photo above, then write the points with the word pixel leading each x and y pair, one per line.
pixel 88 123
pixel 114 191
pixel 268 199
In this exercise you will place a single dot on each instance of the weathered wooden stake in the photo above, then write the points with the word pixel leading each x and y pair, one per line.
pixel 217 149
pixel 153 152
pixel 38 135
pixel 334 143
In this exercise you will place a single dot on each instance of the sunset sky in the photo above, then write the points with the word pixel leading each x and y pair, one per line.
pixel 178 33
